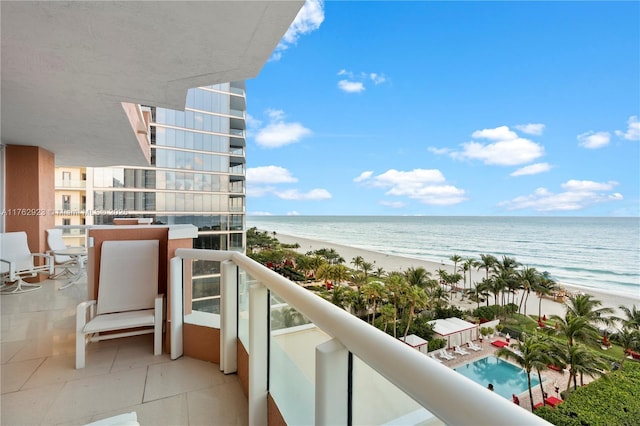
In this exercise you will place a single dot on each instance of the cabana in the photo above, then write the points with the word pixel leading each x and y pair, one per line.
pixel 416 342
pixel 455 331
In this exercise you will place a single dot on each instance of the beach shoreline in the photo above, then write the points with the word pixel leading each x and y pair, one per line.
pixel 392 263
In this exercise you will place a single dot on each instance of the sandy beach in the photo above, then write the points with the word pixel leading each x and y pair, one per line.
pixel 399 263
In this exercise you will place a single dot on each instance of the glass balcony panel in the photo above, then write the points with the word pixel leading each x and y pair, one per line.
pixel 292 362
pixel 244 282
pixel 378 401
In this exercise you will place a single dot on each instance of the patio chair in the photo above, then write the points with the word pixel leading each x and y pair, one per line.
pixel 446 355
pixel 127 297
pixel 55 242
pixel 474 347
pixel 458 350
pixel 432 355
pixel 17 262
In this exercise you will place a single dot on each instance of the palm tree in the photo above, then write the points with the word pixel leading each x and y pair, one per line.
pixel 528 279
pixel 416 298
pixel 632 317
pixel 373 291
pixel 379 272
pixel 396 286
pixel 486 262
pixel 527 353
pixel 628 338
pixel 582 361
pixel 466 267
pixel 357 261
pixel 544 287
pixel 584 305
pixel 575 328
pixel 387 315
pixel 417 276
pixel 455 259
pixel 366 268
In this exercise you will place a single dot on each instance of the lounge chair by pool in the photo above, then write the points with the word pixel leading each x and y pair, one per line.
pixel 474 347
pixel 458 350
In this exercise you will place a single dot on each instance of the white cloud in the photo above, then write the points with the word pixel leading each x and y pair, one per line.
pixel 351 86
pixel 577 195
pixel 377 78
pixel 279 132
pixel 501 133
pixel 294 194
pixel 309 19
pixel 532 169
pixel 363 176
pixel 531 128
pixel 269 174
pixel 594 140
pixel 425 185
pixel 503 153
pixel 259 213
pixel 293 213
pixel 252 122
pixel 633 129
pixel 508 149
pixel 355 83
pixel 438 151
pixel 256 191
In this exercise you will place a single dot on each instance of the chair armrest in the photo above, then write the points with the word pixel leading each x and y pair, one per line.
pixel 81 313
pixel 49 260
pixel 11 271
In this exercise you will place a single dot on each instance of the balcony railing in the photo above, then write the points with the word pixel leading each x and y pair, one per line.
pixel 66 183
pixel 322 365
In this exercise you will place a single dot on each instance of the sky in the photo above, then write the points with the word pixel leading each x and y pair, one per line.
pixel 449 109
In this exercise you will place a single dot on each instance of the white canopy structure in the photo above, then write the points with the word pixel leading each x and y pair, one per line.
pixel 416 342
pixel 455 331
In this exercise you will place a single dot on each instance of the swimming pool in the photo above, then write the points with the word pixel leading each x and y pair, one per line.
pixel 507 379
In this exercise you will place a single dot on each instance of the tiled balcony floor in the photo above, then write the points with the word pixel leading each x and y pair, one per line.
pixel 40 385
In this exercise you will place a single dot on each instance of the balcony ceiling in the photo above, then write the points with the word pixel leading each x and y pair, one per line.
pixel 67 66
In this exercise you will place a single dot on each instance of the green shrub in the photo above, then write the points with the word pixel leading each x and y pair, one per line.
pixel 486 312
pixel 436 344
pixel 602 402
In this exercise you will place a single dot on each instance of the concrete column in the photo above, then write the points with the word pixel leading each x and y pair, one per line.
pixel 258 354
pixel 332 381
pixel 30 193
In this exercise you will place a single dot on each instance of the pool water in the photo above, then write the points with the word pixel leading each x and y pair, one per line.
pixel 507 379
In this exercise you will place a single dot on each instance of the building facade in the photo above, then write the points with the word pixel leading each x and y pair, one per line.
pixel 197 176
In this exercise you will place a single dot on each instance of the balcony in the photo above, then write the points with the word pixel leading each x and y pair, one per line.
pixel 326 367
pixel 70 184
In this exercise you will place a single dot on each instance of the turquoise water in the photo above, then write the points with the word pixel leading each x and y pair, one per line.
pixel 507 379
pixel 593 253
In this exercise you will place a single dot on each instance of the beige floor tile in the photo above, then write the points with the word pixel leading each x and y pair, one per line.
pixel 181 375
pixel 221 405
pixel 164 412
pixel 98 394
pixel 27 407
pixel 15 374
pixel 60 369
pixel 9 349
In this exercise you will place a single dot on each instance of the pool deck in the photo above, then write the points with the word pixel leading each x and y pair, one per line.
pixel 549 376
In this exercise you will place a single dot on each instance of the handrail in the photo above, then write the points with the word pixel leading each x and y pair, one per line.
pixel 434 386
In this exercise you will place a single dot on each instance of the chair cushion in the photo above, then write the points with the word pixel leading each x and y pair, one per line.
pixel 119 321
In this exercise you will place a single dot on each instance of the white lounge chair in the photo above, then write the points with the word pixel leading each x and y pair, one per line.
pixel 17 262
pixel 446 355
pixel 56 242
pixel 474 347
pixel 458 350
pixel 432 355
pixel 128 297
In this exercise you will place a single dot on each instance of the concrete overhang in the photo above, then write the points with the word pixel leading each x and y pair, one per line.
pixel 68 67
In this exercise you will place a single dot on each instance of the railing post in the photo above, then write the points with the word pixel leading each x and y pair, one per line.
pixel 332 380
pixel 176 302
pixel 258 354
pixel 229 317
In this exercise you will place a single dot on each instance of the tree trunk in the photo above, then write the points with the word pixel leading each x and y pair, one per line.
pixel 530 391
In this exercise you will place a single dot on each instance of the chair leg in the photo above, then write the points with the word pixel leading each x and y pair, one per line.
pixel 20 287
pixel 81 345
pixel 157 329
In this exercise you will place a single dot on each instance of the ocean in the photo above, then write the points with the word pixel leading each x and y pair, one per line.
pixel 593 253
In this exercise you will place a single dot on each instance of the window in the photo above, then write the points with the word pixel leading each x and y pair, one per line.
pixel 66 221
pixel 66 202
pixel 66 176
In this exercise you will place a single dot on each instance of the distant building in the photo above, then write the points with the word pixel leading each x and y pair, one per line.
pixel 197 177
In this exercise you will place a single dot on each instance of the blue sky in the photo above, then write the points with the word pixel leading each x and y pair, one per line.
pixel 449 108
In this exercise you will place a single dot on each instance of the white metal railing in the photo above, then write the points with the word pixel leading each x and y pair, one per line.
pixel 451 397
